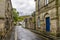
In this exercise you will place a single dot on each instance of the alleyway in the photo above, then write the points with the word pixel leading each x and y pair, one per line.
pixel 24 34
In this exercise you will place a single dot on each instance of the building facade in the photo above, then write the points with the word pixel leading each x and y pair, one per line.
pixel 26 20
pixel 47 15
pixel 6 18
pixel 30 21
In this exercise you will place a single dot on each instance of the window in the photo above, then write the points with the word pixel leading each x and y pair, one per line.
pixel 38 21
pixel 46 2
pixel 38 4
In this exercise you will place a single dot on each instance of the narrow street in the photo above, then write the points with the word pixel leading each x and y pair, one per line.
pixel 29 19
pixel 24 34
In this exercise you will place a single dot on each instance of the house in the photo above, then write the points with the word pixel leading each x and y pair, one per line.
pixel 48 16
pixel 6 18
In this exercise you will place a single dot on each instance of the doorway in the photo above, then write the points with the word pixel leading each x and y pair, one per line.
pixel 48 24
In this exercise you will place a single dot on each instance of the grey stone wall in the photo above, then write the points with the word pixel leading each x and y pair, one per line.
pixel 2 25
pixel 5 17
pixel 2 8
pixel 48 11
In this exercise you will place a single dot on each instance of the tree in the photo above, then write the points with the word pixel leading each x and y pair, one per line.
pixel 21 18
pixel 15 15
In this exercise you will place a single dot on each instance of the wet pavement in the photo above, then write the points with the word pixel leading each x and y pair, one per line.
pixel 13 35
pixel 24 34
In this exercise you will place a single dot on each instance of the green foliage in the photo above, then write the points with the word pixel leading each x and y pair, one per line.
pixel 15 15
pixel 21 18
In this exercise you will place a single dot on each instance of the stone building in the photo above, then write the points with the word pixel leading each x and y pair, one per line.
pixel 29 21
pixel 33 21
pixel 26 20
pixel 47 13
pixel 6 18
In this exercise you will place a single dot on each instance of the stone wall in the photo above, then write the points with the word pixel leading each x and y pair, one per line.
pixel 42 3
pixel 53 20
pixel 58 29
pixel 59 15
pixel 5 17
pixel 2 25
pixel 47 11
pixel 2 8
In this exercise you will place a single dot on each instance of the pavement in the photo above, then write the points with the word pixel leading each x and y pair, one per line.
pixel 13 35
pixel 20 33
pixel 24 34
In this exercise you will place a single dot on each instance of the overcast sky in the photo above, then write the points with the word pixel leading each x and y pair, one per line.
pixel 24 7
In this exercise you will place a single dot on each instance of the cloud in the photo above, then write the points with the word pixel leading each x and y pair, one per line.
pixel 24 7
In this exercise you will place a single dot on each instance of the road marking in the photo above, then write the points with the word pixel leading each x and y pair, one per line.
pixel 15 35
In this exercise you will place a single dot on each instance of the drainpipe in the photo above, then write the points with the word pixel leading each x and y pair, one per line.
pixel 34 21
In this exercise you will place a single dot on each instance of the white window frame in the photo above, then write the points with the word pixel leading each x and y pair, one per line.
pixel 38 22
pixel 46 2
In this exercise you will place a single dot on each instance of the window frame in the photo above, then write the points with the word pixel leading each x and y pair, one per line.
pixel 38 22
pixel 46 2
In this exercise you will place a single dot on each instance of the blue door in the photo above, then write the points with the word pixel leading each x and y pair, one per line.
pixel 48 24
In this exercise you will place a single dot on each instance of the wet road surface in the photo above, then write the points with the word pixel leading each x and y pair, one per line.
pixel 24 34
